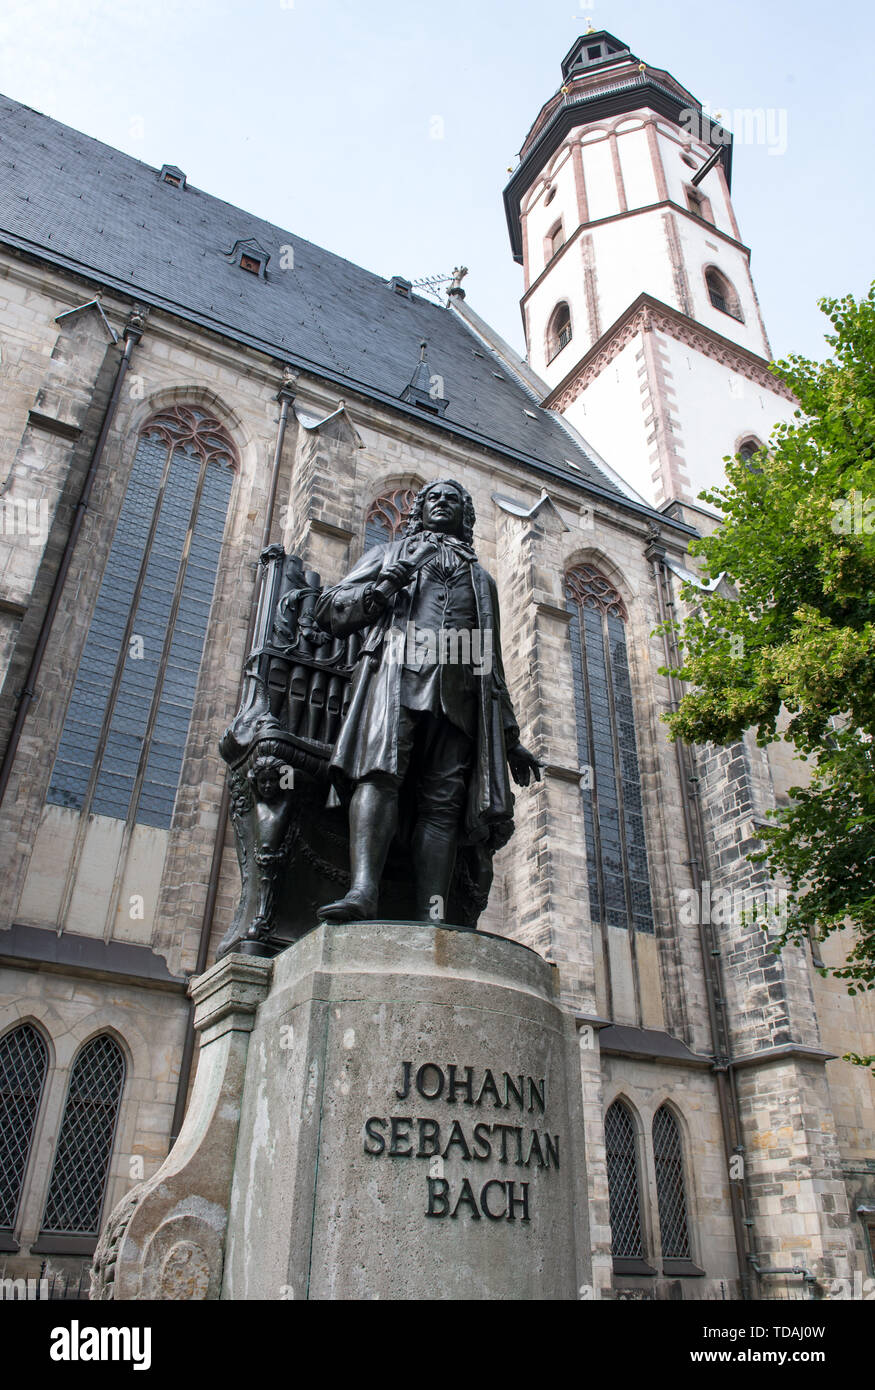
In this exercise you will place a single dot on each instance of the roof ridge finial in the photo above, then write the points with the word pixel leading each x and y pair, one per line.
pixel 455 291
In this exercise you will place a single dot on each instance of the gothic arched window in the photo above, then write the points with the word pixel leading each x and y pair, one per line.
pixel 387 515
pixel 558 330
pixel 84 1147
pixel 124 735
pixel 624 1193
pixel 670 1188
pixel 616 850
pixel 722 294
pixel 24 1060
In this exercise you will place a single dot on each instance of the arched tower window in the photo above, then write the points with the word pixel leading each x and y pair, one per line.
pixel 748 448
pixel 24 1060
pixel 616 850
pixel 698 204
pixel 558 330
pixel 670 1187
pixel 627 1241
pixel 124 735
pixel 722 294
pixel 555 240
pixel 84 1147
pixel 387 516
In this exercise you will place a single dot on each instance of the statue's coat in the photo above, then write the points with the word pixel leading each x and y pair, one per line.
pixel 367 742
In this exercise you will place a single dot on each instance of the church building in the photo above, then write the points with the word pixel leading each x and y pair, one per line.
pixel 184 382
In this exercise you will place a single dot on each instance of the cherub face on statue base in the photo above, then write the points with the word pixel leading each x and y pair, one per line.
pixel 265 776
pixel 272 801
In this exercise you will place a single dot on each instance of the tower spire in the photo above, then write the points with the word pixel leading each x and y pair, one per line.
pixel 638 300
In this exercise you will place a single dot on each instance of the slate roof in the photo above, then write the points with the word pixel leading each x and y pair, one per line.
pixel 107 216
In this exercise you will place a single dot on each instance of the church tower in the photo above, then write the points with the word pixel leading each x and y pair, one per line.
pixel 639 308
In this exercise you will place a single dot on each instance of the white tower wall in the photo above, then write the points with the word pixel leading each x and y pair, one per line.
pixel 719 408
pixel 601 414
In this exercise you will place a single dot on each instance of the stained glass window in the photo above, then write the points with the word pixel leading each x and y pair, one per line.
pixel 613 816
pixel 124 735
pixel 387 515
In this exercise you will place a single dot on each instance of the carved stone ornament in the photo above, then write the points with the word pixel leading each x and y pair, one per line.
pixel 165 1239
pixel 185 1271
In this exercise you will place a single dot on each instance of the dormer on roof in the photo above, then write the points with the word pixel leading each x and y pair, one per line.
pixel 250 255
pixel 424 389
pixel 169 173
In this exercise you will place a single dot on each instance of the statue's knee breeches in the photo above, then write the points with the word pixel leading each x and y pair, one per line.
pixel 439 761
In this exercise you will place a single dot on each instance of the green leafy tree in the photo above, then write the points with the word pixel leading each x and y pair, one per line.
pixel 797 548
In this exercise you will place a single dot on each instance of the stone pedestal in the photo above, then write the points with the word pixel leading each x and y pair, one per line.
pixel 386 1110
pixel 410 1124
pixel 166 1238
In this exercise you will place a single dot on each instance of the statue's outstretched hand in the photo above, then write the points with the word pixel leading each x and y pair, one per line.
pixel 523 765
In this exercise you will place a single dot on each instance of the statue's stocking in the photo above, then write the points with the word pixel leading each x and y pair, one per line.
pixel 434 857
pixel 373 818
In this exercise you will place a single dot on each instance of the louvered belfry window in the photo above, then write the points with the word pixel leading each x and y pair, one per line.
pixel 124 735
pixel 387 516
pixel 24 1060
pixel 616 850
pixel 623 1189
pixel 670 1189
pixel 84 1145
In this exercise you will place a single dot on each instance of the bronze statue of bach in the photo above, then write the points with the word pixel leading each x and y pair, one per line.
pixel 429 725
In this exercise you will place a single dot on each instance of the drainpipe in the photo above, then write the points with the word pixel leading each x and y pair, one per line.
pixel 694 829
pixel 785 1269
pixel 285 396
pixel 132 335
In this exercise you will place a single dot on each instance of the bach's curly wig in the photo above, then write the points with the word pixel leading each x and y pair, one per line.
pixel 415 523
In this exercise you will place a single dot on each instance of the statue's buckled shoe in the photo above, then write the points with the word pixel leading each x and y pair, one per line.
pixel 355 907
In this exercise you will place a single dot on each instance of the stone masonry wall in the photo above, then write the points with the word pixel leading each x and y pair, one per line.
pixel 334 463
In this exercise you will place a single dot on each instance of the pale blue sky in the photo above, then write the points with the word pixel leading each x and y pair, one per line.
pixel 319 115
